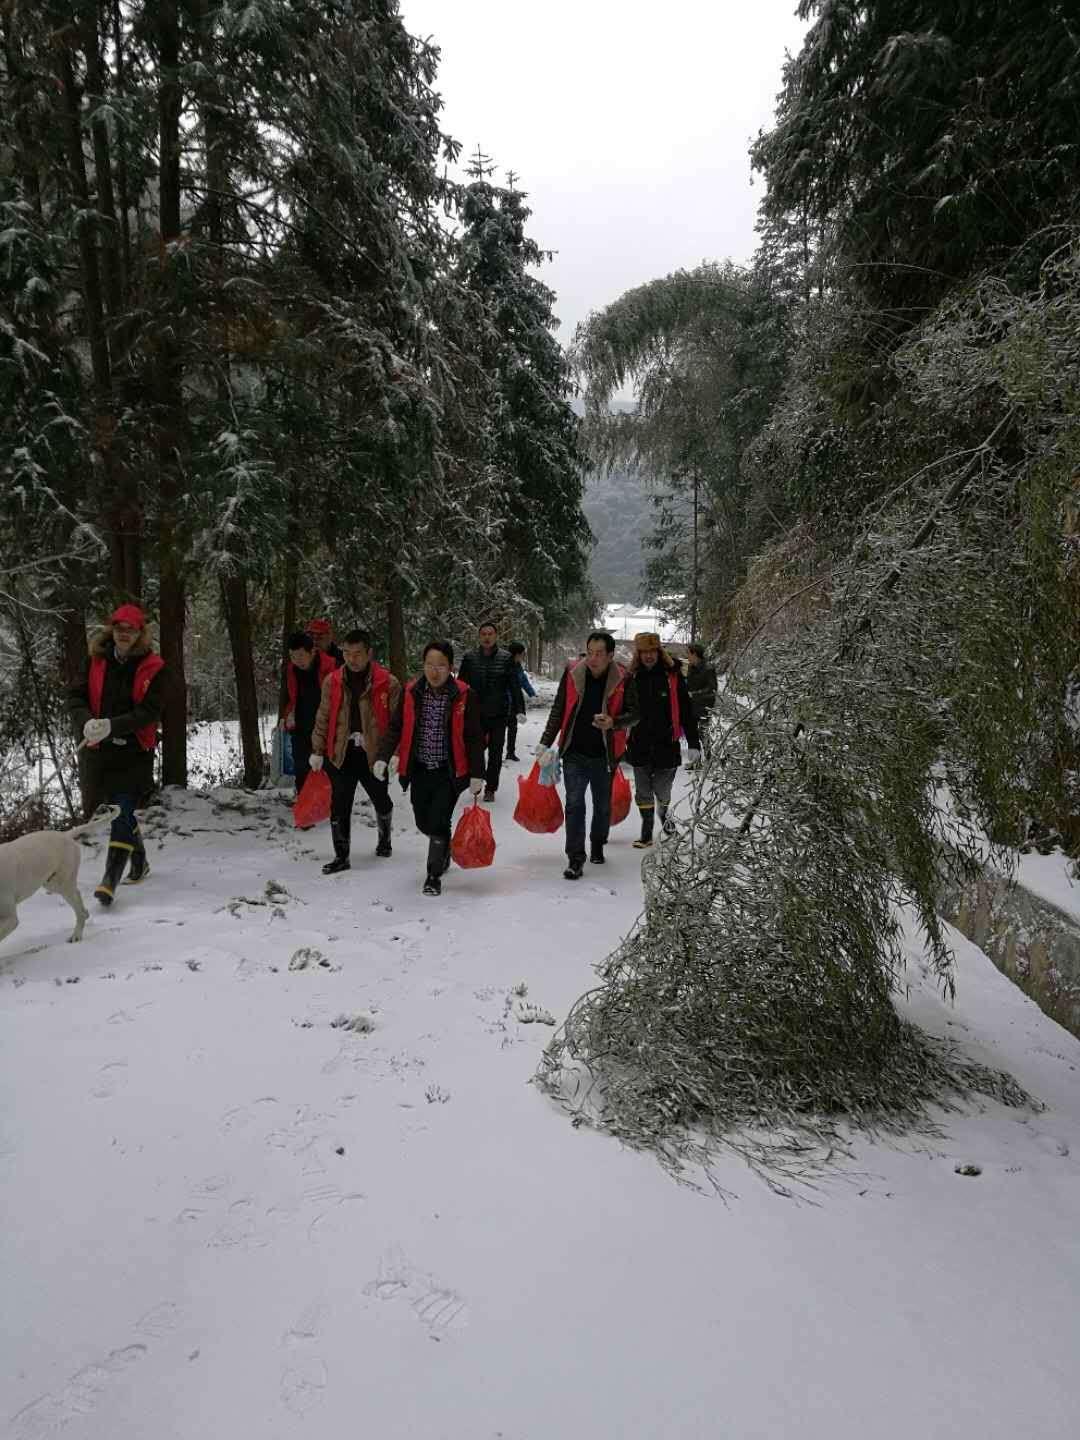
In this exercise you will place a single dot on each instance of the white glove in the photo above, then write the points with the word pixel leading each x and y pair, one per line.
pixel 315 763
pixel 693 756
pixel 476 785
pixel 379 770
pixel 395 766
pixel 94 731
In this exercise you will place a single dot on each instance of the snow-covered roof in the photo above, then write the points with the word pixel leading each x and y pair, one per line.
pixel 625 621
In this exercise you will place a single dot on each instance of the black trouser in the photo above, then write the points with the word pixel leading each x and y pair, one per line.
pixel 353 771
pixel 121 775
pixel 434 793
pixel 301 756
pixel 494 736
pixel 511 734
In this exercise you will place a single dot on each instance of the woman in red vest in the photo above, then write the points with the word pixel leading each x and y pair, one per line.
pixel 664 714
pixel 435 744
pixel 115 711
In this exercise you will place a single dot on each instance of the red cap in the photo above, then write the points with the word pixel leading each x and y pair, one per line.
pixel 128 615
pixel 319 627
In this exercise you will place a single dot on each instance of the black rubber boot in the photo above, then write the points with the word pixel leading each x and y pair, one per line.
pixel 115 861
pixel 574 868
pixel 385 823
pixel 140 865
pixel 646 831
pixel 339 833
pixel 437 859
pixel 596 853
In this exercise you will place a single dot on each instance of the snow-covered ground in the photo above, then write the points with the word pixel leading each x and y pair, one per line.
pixel 227 1216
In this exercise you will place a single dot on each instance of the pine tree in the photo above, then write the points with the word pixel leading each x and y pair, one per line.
pixel 532 433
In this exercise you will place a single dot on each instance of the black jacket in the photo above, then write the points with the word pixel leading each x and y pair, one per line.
pixel 701 683
pixel 119 765
pixel 117 703
pixel 651 740
pixel 495 681
pixel 577 675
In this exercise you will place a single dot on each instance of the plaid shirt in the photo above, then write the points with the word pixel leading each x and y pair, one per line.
pixel 433 749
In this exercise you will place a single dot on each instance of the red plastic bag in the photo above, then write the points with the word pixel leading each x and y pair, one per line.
pixel 473 845
pixel 313 803
pixel 620 796
pixel 539 808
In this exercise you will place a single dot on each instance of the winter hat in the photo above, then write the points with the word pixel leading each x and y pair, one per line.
pixel 128 615
pixel 319 627
pixel 646 640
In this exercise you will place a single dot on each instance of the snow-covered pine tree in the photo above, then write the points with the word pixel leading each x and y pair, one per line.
pixel 532 432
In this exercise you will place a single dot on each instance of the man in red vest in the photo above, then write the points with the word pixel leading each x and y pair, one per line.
pixel 665 713
pixel 594 707
pixel 115 711
pixel 322 632
pixel 305 672
pixel 357 702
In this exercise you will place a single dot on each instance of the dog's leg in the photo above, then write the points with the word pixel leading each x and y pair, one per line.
pixel 74 899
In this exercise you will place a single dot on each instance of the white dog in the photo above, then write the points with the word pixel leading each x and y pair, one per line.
pixel 49 860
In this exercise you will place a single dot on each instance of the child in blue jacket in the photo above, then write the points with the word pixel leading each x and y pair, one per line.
pixel 517 652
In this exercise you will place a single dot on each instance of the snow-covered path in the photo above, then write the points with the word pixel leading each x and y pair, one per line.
pixel 226 1217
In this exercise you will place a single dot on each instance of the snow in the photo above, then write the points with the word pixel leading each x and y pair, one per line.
pixel 1051 878
pixel 228 1215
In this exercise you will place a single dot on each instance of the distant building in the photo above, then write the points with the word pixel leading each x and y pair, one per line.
pixel 626 621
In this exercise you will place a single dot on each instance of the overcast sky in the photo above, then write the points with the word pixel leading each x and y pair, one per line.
pixel 628 122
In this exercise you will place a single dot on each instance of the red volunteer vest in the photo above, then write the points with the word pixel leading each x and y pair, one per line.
pixel 378 690
pixel 147 668
pixel 673 692
pixel 327 663
pixel 457 731
pixel 614 705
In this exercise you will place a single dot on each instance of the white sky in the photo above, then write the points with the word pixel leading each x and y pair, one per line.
pixel 628 122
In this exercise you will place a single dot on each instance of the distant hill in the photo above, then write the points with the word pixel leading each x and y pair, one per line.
pixel 619 509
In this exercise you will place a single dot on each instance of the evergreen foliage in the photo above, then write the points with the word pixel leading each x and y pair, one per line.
pixel 892 569
pixel 248 344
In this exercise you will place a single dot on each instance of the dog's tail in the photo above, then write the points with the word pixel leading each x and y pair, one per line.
pixel 104 815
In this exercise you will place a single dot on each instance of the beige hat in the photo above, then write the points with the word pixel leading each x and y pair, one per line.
pixel 646 640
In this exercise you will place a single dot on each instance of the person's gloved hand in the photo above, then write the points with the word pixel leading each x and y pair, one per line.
pixel 379 770
pixel 693 756
pixel 315 763
pixel 476 785
pixel 94 731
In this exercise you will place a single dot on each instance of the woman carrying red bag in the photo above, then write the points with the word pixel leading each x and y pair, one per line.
pixel 435 745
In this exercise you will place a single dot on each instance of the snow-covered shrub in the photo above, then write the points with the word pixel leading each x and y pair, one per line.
pixel 752 1007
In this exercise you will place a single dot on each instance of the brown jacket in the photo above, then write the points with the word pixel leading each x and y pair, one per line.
pixel 383 682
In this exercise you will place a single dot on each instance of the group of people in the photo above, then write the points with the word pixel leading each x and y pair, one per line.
pixel 439 735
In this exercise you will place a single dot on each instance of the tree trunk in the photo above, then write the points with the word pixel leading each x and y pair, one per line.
pixel 234 603
pixel 292 580
pixel 169 400
pixel 395 622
